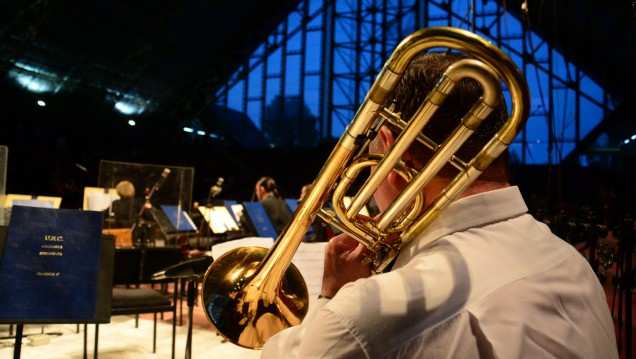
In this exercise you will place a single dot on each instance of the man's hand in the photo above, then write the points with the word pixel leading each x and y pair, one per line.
pixel 343 264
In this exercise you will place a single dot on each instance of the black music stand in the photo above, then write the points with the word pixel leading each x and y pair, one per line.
pixel 191 271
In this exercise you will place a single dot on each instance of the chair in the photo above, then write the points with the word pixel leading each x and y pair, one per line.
pixel 133 287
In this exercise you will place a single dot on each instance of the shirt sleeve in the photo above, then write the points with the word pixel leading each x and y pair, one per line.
pixel 320 335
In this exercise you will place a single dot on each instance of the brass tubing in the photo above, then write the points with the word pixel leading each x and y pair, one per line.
pixel 251 293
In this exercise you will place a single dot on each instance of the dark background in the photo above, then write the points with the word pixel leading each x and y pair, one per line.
pixel 173 51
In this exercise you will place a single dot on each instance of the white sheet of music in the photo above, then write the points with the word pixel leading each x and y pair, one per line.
pixel 309 259
pixel 219 249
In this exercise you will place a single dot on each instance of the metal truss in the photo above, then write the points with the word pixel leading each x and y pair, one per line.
pixel 315 70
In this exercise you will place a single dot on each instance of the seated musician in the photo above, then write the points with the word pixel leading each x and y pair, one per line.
pixel 484 280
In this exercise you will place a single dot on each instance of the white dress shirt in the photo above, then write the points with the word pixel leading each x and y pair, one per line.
pixel 484 280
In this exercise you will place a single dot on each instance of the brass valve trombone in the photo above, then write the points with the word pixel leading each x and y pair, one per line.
pixel 251 293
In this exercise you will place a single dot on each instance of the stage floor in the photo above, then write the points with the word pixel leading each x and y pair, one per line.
pixel 121 340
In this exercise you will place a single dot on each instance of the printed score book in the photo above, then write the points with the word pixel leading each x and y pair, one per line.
pixel 55 267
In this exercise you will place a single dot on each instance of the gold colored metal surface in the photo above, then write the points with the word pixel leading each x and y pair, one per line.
pixel 251 293
pixel 224 300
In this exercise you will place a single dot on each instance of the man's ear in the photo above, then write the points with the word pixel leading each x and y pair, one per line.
pixel 387 138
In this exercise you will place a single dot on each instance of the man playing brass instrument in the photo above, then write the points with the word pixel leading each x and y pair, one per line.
pixel 484 280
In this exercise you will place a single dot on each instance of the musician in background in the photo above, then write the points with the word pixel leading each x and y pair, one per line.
pixel 318 230
pixel 277 209
pixel 484 280
pixel 125 208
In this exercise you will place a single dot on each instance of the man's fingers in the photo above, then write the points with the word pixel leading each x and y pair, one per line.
pixel 343 239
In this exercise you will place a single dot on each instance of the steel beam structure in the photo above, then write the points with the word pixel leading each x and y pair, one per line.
pixel 330 52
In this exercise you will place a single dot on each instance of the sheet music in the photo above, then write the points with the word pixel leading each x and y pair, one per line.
pixel 33 203
pixel 100 201
pixel 220 249
pixel 309 259
pixel 219 218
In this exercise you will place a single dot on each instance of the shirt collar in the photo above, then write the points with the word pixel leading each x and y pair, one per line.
pixel 472 211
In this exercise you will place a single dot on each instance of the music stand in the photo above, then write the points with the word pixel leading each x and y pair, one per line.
pixel 259 218
pixel 79 296
pixel 219 219
pixel 173 221
pixel 191 271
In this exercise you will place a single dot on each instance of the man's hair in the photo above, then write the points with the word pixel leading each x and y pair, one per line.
pixel 269 184
pixel 420 78
pixel 125 189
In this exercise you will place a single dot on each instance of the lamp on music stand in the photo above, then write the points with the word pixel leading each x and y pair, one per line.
pixel 191 270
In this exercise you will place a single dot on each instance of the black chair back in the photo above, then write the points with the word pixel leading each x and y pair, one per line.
pixel 156 259
pixel 127 266
pixel 134 266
